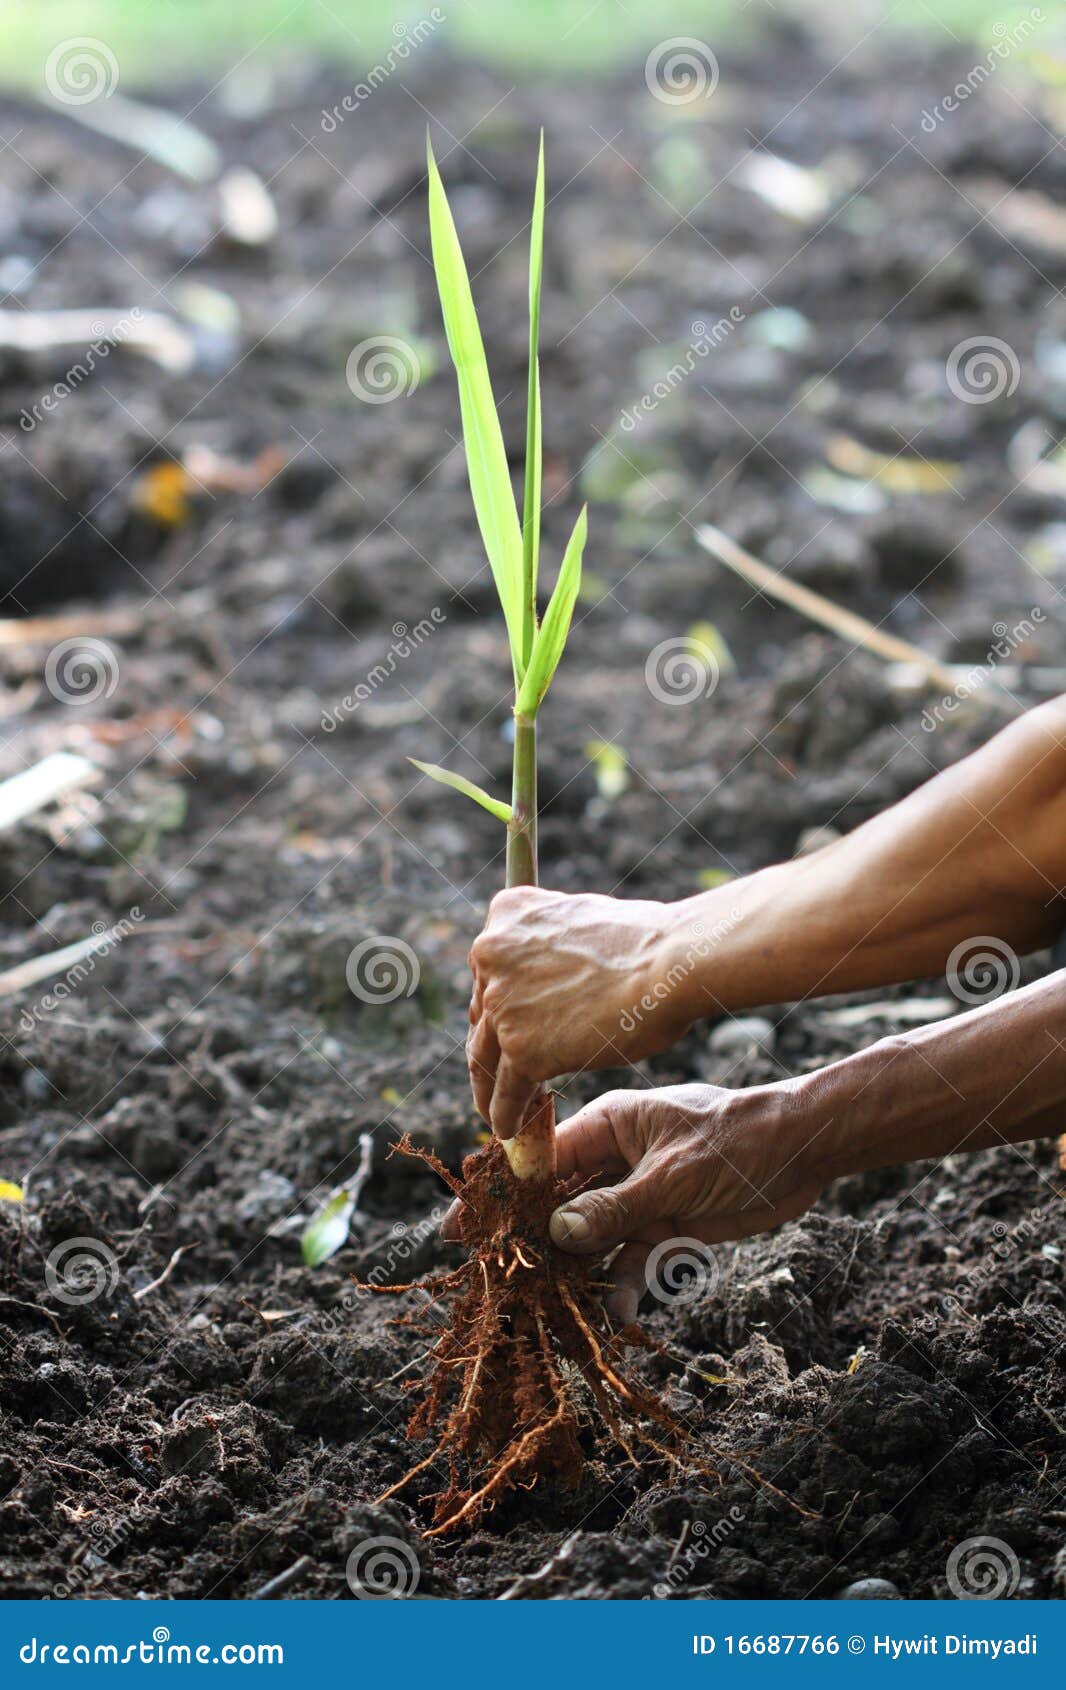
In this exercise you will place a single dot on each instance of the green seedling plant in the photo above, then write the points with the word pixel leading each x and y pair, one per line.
pixel 513 550
pixel 526 1358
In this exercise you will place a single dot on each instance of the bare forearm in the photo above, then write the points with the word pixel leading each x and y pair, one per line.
pixel 979 849
pixel 994 1076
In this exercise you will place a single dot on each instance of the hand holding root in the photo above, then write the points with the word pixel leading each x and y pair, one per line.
pixel 681 1162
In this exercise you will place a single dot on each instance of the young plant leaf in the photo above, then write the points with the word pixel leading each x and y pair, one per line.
pixel 459 783
pixel 551 635
pixel 486 459
pixel 10 1193
pixel 532 492
pixel 328 1232
pixel 531 516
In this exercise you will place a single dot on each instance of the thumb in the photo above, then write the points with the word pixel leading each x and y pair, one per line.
pixel 595 1221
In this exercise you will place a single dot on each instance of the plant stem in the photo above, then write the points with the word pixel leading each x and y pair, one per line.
pixel 522 828
pixel 531 1152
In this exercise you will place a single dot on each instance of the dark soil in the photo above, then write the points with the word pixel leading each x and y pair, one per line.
pixel 893 1362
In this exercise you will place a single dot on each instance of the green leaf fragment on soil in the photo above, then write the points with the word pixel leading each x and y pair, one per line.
pixel 612 770
pixel 708 646
pixel 328 1232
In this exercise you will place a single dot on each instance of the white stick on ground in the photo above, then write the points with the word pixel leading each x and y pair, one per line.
pixel 53 777
pixel 817 608
pixel 47 630
pixel 39 968
pixel 152 333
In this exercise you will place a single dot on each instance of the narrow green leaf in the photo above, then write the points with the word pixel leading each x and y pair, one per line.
pixel 328 1232
pixel 459 783
pixel 553 631
pixel 532 492
pixel 486 459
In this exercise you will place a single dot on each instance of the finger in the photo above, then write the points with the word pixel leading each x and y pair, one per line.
pixel 627 1282
pixel 449 1226
pixel 511 1097
pixel 586 1145
pixel 477 998
pixel 594 1221
pixel 483 1055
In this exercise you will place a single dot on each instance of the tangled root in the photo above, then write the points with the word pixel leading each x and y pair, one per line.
pixel 525 1328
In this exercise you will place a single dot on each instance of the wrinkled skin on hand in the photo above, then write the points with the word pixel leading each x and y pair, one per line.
pixel 558 981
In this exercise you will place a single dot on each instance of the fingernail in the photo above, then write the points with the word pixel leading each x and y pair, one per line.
pixel 569 1227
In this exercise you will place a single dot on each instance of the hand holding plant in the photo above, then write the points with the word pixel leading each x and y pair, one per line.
pixel 513 553
pixel 566 982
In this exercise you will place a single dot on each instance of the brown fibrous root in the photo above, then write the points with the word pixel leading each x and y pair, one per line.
pixel 502 1396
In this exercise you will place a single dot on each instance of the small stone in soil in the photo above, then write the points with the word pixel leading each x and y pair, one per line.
pixel 869 1590
pixel 742 1037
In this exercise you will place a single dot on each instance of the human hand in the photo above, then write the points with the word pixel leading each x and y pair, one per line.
pixel 679 1162
pixel 560 983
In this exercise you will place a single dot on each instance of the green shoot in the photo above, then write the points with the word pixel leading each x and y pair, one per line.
pixel 531 499
pixel 486 459
pixel 513 550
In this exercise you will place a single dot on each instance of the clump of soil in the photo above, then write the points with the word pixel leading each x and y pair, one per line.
pixel 524 1325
